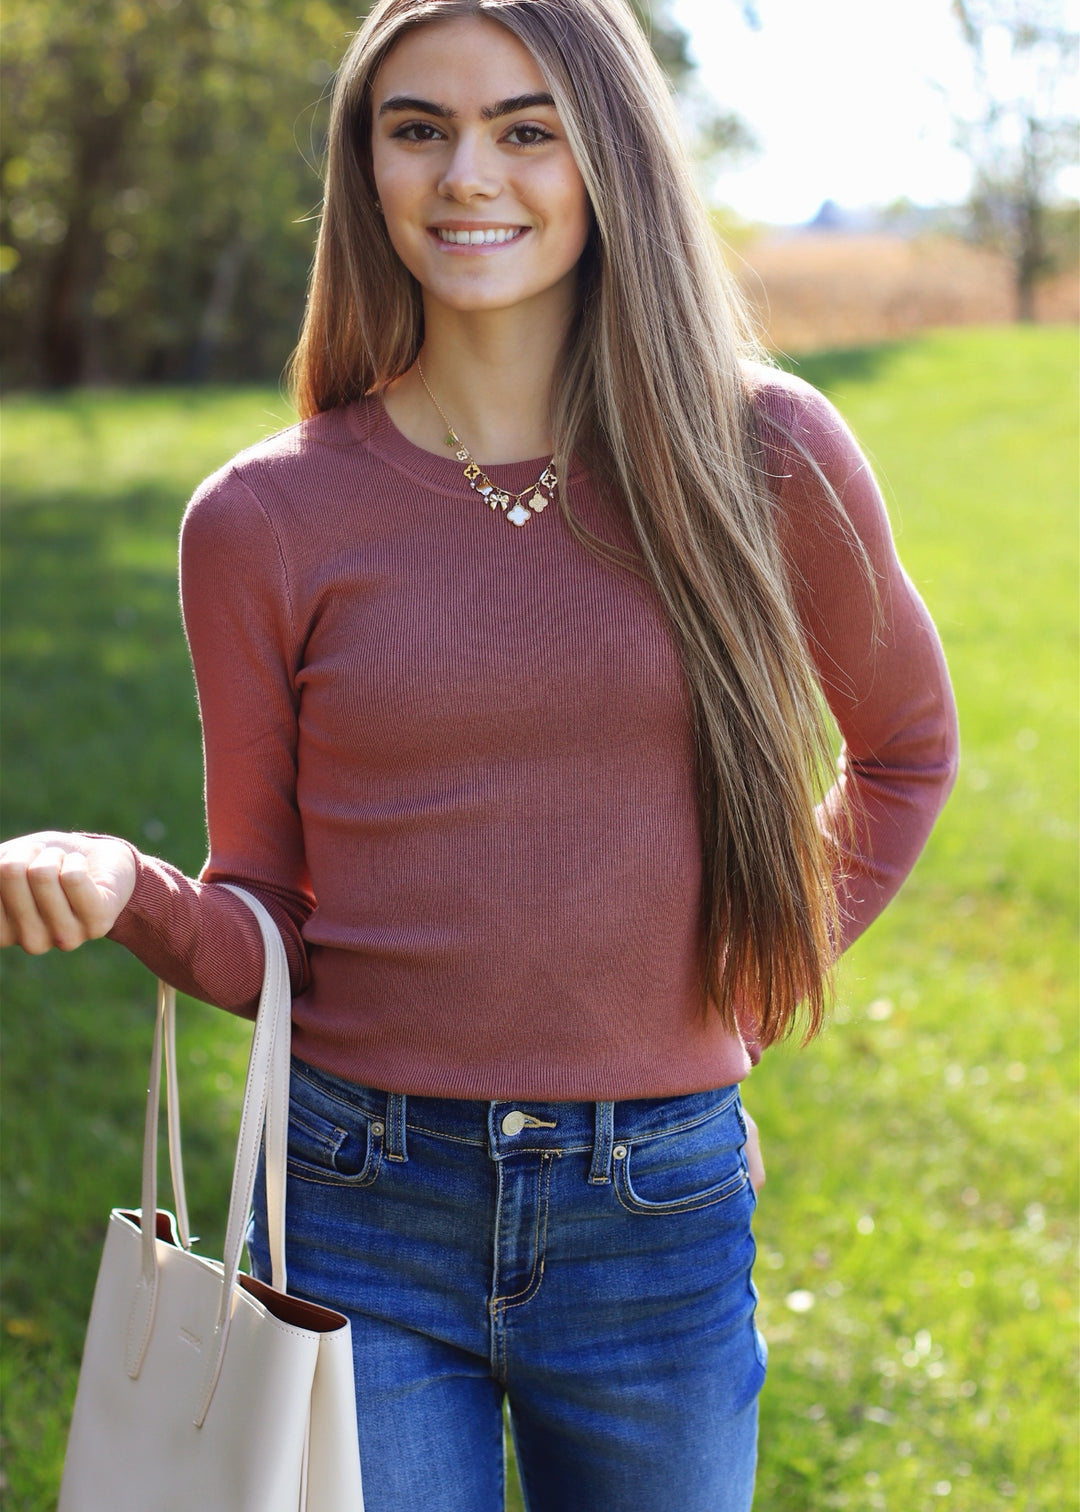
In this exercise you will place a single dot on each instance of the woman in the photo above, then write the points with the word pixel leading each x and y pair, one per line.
pixel 509 659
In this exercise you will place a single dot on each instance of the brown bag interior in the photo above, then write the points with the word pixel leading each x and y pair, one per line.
pixel 286 1309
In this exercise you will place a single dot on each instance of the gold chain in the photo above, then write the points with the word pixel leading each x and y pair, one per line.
pixel 512 504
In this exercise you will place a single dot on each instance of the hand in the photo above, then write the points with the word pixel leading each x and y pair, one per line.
pixel 59 890
pixel 753 1153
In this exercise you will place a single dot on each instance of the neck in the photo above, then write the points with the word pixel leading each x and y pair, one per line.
pixel 492 374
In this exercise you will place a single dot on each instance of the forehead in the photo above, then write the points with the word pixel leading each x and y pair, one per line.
pixel 463 61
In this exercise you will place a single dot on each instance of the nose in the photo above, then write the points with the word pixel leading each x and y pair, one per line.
pixel 468 174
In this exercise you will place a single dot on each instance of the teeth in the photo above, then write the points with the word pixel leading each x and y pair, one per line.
pixel 479 238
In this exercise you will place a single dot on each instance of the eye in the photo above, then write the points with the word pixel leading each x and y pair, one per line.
pixel 416 131
pixel 528 134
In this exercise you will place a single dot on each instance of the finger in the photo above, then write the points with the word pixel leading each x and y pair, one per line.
pixel 23 924
pixel 65 930
pixel 754 1162
pixel 84 895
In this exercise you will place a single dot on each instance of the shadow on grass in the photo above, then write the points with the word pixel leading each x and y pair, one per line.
pixel 845 366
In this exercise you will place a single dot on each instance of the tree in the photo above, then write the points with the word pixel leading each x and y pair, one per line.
pixel 1025 55
pixel 160 168
pixel 158 183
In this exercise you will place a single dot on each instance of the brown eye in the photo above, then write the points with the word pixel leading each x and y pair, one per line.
pixel 528 135
pixel 417 131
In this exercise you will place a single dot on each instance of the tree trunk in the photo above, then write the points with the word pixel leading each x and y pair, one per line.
pixel 70 280
pixel 62 337
pixel 1031 254
pixel 1025 296
pixel 216 310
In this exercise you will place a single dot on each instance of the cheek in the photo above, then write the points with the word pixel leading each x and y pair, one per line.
pixel 576 211
pixel 579 222
pixel 397 197
pixel 406 251
pixel 395 181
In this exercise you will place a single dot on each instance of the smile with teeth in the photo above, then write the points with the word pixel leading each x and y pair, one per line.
pixel 488 237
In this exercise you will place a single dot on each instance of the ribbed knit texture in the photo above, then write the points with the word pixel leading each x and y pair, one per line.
pixel 471 744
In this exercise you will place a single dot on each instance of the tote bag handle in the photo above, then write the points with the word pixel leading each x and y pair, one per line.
pixel 265 1105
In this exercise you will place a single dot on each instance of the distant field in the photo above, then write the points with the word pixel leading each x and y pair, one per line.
pixel 814 291
pixel 917 1235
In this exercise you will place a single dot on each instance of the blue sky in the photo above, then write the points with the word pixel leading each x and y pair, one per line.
pixel 851 100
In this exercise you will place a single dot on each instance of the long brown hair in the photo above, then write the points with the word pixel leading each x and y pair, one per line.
pixel 653 393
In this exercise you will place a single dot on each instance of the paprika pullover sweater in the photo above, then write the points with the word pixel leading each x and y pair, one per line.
pixel 455 760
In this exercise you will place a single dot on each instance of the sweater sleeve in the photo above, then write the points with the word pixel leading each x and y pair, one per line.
pixel 244 647
pixel 878 656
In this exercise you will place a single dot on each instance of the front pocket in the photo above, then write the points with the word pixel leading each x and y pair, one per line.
pixel 689 1168
pixel 343 1149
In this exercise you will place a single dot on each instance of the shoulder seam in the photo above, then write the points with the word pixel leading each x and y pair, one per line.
pixel 232 470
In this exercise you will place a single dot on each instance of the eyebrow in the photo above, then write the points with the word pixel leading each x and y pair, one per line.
pixel 447 113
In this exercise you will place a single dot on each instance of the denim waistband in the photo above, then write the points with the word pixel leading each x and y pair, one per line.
pixel 514 1126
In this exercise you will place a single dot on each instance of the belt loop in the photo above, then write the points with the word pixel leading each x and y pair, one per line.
pixel 602 1143
pixel 395 1126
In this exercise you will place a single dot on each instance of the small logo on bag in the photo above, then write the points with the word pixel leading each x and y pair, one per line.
pixel 190 1338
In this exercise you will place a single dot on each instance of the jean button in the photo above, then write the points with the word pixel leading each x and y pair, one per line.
pixel 513 1123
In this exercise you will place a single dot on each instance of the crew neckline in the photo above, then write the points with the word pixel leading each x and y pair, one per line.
pixel 371 422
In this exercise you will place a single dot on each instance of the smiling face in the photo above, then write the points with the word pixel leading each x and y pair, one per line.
pixel 481 195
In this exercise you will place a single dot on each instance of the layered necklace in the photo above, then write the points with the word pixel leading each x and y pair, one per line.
pixel 518 508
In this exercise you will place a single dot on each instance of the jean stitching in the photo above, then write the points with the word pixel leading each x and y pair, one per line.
pixel 709 1198
pixel 343 1102
pixel 520 1298
pixel 499 1303
pixel 498 1339
pixel 332 1140
pixel 576 1149
pixel 482 1144
pixel 364 1177
pixel 397 1139
pixel 532 1286
pixel 415 1128
pixel 691 1123
pixel 356 1183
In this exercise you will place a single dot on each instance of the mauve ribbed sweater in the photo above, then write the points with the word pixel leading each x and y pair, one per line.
pixel 454 759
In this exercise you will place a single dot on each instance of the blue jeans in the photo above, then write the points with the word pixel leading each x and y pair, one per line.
pixel 589 1262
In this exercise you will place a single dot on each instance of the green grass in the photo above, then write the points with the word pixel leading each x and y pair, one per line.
pixel 922 1181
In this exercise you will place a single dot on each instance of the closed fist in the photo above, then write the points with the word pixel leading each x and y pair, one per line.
pixel 57 890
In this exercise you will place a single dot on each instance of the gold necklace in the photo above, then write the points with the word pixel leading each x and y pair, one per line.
pixel 516 511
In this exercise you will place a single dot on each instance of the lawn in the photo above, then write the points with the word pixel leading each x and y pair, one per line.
pixel 916 1238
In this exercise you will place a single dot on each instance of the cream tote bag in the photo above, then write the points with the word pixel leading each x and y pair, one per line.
pixel 202 1389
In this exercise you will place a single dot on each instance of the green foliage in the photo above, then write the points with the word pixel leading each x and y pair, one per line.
pixel 159 167
pixel 916 1231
